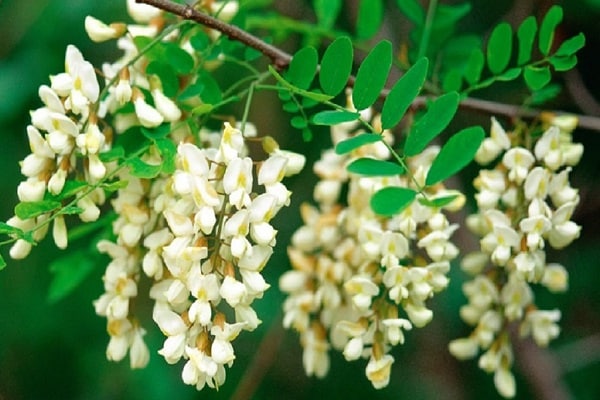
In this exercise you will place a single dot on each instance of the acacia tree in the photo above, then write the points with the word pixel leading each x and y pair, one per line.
pixel 183 197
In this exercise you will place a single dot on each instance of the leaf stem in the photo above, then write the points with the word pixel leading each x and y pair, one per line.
pixel 431 10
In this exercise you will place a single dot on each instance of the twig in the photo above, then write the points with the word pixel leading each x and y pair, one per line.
pixel 280 59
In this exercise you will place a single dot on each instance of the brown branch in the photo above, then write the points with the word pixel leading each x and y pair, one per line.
pixel 280 59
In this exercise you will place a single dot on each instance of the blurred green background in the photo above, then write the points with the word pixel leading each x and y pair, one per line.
pixel 56 351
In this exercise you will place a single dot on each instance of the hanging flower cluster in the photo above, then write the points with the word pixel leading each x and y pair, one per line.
pixel 193 209
pixel 525 204
pixel 360 280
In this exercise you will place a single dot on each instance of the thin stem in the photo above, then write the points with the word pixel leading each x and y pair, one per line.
pixel 427 29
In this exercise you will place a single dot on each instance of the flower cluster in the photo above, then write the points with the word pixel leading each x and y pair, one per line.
pixel 206 237
pixel 525 204
pixel 65 142
pixel 193 209
pixel 360 280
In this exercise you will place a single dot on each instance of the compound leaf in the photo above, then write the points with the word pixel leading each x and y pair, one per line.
pixel 372 75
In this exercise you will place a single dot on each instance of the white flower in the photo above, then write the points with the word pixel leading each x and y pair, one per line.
pixel 555 278
pixel 491 147
pixel 148 116
pixel 142 13
pixel 362 289
pixel 547 148
pixel 378 371
pixel 139 355
pixel 504 381
pixel 165 106
pixel 98 31
pixel 232 291
pixel 518 160
pixel 78 83
pixel 464 348
pixel 237 181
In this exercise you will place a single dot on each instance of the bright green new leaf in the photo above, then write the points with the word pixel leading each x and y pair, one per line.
pixel 474 67
pixel 525 37
pixel 327 11
pixel 413 11
pixel 458 151
pixel 499 48
pixel 437 201
pixel 372 75
pixel 70 188
pixel 6 229
pixel 563 63
pixel 334 117
pixel 142 169
pixel 551 20
pixel 510 74
pixel 438 116
pixel 392 200
pixel 168 152
pixel 32 209
pixel 303 67
pixel 69 272
pixel 373 167
pixel 336 66
pixel 403 93
pixel 537 77
pixel 353 143
pixel 319 97
pixel 291 107
pixel 114 186
pixel 202 109
pixel 370 17
pixel 160 131
pixel 571 46
pixel 2 263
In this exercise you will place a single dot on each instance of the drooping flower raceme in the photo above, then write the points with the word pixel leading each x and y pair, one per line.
pixel 360 280
pixel 525 206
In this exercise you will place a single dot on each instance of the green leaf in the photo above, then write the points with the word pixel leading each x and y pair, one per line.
pixel 299 122
pixel 303 67
pixel 116 153
pixel 373 167
pixel 160 131
pixel 372 75
pixel 563 63
pixel 545 94
pixel 571 46
pixel 437 202
pixel 525 37
pixel 551 20
pixel 392 200
pixel 70 188
pixel 167 75
pixel 211 93
pixel 510 74
pixel 319 97
pixel 474 67
pixel 336 66
pixel 334 117
pixel 327 12
pixel 370 17
pixel 537 77
pixel 202 109
pixel 69 272
pixel 6 229
pixel 114 186
pixel 168 152
pixel 199 40
pixel 403 93
pixel 499 48
pixel 458 151
pixel 438 116
pixel 142 169
pixel 156 52
pixel 32 209
pixel 178 58
pixel 353 143
pixel 2 263
pixel 452 81
pixel 413 11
